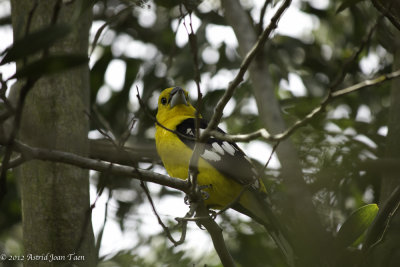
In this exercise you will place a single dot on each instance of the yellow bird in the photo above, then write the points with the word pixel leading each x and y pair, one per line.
pixel 223 167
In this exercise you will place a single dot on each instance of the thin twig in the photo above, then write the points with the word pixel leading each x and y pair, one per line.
pixel 351 60
pixel 143 106
pixel 110 20
pixel 262 14
pixel 193 219
pixel 270 156
pixel 10 141
pixel 367 83
pixel 98 123
pixel 87 219
pixel 160 222
pixel 243 68
pixel 385 10
pixel 3 96
pixel 100 235
pixel 380 226
pixel 18 112
pixel 30 16
pixel 127 133
pixel 194 50
pixel 195 192
pixel 198 148
pixel 263 133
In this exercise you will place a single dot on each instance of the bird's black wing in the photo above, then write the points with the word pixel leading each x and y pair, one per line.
pixel 224 156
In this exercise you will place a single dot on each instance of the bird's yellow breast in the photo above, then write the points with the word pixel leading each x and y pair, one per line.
pixel 176 156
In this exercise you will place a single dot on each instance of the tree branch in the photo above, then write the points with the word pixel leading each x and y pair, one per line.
pixel 382 221
pixel 243 68
pixel 31 153
pixel 389 9
pixel 216 235
pixel 160 222
pixel 104 150
pixel 262 14
pixel 263 133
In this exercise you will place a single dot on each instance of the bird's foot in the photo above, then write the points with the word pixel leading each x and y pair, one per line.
pixel 205 195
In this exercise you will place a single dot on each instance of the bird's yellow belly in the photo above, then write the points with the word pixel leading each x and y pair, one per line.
pixel 220 190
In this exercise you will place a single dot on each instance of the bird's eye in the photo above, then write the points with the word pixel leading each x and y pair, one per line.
pixel 163 101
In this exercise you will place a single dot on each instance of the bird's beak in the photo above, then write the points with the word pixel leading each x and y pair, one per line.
pixel 177 97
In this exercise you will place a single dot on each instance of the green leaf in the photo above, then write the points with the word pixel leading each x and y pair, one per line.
pixel 356 224
pixel 50 65
pixel 34 42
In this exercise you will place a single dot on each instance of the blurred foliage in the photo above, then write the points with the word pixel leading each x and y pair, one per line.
pixel 143 35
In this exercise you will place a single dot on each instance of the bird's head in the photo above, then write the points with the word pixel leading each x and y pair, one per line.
pixel 174 101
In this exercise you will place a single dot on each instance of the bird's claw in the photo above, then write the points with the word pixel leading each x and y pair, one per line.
pixel 204 195
pixel 213 214
pixel 200 225
pixel 186 200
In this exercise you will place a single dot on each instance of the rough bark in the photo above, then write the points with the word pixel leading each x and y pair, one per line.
pixel 55 196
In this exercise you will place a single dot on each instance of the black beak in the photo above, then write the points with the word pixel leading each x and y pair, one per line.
pixel 177 97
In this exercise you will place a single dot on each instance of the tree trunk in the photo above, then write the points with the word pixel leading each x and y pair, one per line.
pixel 387 252
pixel 57 225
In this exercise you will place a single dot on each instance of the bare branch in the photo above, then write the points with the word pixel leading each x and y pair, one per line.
pixel 367 83
pixel 351 60
pixel 100 235
pixel 216 235
pixel 113 19
pixel 263 133
pixel 388 10
pixel 16 162
pixel 142 105
pixel 7 104
pixel 13 133
pixel 6 20
pixel 270 156
pixel 160 222
pixel 198 148
pixel 262 14
pixel 69 158
pixel 382 221
pixel 104 150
